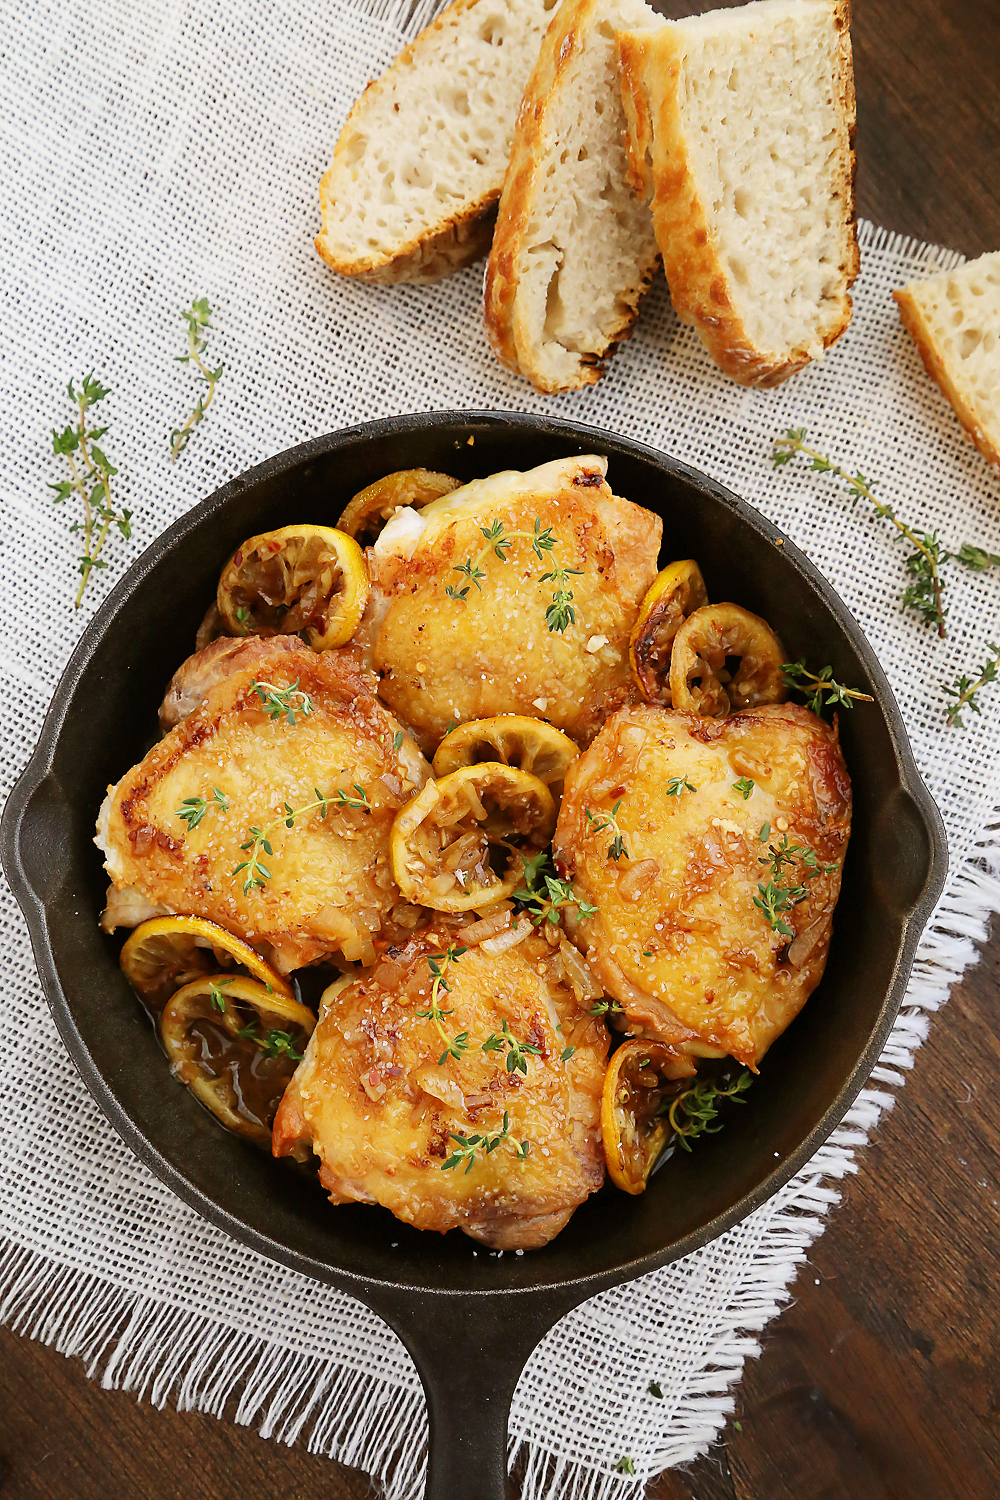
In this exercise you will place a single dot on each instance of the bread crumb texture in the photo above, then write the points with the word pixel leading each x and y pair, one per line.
pixel 574 249
pixel 954 319
pixel 421 159
pixel 741 124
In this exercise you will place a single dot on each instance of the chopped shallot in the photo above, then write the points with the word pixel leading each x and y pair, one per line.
pixel 582 981
pixel 509 939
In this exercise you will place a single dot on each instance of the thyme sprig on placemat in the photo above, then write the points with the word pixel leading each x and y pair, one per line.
pixel 964 690
pixel 923 595
pixel 197 320
pixel 92 472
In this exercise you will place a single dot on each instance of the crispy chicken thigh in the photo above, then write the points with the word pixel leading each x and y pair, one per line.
pixel 176 826
pixel 679 939
pixel 380 1100
pixel 486 648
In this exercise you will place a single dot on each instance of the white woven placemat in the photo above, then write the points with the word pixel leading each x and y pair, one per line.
pixel 157 151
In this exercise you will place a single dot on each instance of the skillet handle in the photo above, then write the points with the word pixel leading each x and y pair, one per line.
pixel 469 1353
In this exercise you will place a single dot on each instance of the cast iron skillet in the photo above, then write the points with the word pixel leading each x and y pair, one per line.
pixel 468 1321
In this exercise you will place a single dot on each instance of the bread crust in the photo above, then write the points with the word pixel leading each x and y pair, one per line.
pixel 660 167
pixel 913 320
pixel 455 240
pixel 509 337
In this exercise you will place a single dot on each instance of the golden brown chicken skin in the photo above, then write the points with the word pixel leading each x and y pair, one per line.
pixel 177 826
pixel 487 647
pixel 381 1101
pixel 679 939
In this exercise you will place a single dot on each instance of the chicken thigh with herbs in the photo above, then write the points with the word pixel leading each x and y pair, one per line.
pixel 513 595
pixel 458 1084
pixel 713 850
pixel 268 809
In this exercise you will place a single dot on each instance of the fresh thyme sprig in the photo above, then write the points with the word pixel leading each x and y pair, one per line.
pixel 813 685
pixel 358 801
pixel 197 326
pixel 964 690
pixel 977 558
pixel 608 822
pixel 678 784
pixel 281 702
pixel 259 841
pixel 439 964
pixel 217 999
pixel 91 480
pixel 924 594
pixel 193 809
pixel 272 1043
pixel 544 895
pixel 257 872
pixel 605 1007
pixel 516 1051
pixel 776 895
pixel 468 1145
pixel 561 612
pixel 694 1112
pixel 625 1465
pixel 745 787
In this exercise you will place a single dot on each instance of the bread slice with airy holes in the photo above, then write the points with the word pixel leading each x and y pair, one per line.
pixel 954 319
pixel 420 162
pixel 741 130
pixel 574 249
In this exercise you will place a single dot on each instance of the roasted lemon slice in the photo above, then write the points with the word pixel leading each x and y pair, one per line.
pixel 723 659
pixel 166 953
pixel 445 840
pixel 676 592
pixel 367 513
pixel 245 1050
pixel 310 581
pixel 511 740
pixel 638 1087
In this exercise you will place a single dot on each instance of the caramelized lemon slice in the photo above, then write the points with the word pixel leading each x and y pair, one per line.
pixel 240 1072
pixel 310 581
pixel 511 740
pixel 367 513
pixel 166 953
pixel 638 1087
pixel 723 659
pixel 445 841
pixel 676 592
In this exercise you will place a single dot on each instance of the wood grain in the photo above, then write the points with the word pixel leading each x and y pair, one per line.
pixel 882 1380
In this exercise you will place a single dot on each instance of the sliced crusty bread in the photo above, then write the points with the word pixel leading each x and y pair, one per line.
pixel 741 128
pixel 574 248
pixel 954 318
pixel 421 159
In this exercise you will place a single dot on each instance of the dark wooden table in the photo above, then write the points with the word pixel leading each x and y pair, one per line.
pixel 882 1380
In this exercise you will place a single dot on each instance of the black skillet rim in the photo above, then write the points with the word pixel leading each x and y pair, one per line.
pixel 37 918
